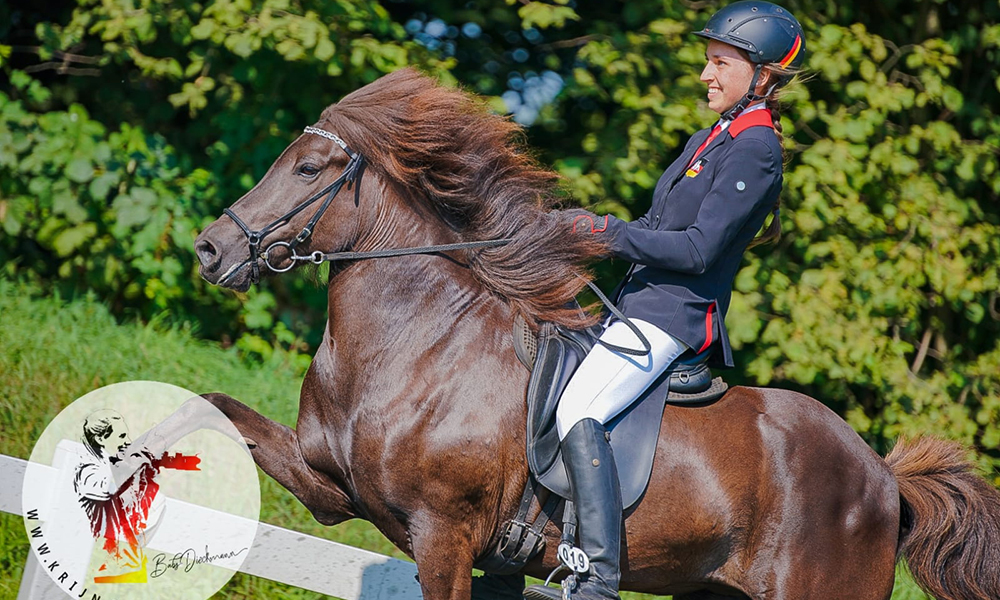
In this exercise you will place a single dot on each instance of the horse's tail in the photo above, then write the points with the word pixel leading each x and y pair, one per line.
pixel 949 520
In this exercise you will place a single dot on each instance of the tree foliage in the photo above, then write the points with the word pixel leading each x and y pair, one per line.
pixel 881 299
pixel 94 209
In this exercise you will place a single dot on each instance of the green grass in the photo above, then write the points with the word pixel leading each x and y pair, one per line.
pixel 54 352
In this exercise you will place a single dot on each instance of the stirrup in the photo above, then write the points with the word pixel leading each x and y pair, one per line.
pixel 566 589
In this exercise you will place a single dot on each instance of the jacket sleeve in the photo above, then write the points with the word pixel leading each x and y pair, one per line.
pixel 723 213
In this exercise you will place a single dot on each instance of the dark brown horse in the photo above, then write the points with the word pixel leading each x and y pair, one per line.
pixel 412 414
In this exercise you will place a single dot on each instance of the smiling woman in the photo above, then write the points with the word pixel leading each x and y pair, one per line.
pixel 727 75
pixel 707 209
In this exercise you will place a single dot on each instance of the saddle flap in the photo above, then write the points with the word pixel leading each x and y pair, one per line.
pixel 633 433
pixel 557 358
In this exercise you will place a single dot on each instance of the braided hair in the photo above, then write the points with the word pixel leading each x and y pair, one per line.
pixel 773 103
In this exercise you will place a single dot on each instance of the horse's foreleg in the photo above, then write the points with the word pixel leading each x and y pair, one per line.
pixel 444 560
pixel 275 449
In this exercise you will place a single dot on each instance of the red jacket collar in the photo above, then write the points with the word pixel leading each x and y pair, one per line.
pixel 753 118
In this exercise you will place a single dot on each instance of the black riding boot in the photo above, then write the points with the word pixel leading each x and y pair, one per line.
pixel 597 494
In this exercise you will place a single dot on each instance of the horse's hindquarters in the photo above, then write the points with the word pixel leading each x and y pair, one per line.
pixel 764 491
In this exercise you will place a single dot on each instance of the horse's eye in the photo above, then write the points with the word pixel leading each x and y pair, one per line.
pixel 308 170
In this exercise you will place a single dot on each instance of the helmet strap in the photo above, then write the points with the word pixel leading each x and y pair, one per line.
pixel 750 96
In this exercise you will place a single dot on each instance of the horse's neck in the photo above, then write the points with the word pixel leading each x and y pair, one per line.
pixel 383 300
pixel 383 309
pixel 410 340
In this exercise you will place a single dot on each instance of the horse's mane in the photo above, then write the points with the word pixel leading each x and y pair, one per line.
pixel 447 149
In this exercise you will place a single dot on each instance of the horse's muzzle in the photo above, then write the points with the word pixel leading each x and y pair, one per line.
pixel 219 266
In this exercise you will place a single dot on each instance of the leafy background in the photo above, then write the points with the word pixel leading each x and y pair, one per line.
pixel 127 125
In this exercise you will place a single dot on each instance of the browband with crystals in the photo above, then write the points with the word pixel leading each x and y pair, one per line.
pixel 330 136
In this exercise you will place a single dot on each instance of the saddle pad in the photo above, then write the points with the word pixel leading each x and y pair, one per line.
pixel 716 390
pixel 634 432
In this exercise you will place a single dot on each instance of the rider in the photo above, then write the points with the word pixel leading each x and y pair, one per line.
pixel 707 207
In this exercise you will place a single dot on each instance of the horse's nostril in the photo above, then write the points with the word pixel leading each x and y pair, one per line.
pixel 207 253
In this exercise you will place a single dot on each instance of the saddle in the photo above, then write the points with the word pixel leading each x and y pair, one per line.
pixel 552 357
pixel 634 432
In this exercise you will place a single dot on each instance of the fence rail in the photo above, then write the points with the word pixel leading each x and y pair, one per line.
pixel 277 554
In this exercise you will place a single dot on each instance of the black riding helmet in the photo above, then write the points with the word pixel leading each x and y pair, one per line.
pixel 767 32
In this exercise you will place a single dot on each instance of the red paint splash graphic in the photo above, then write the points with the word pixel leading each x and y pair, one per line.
pixel 121 519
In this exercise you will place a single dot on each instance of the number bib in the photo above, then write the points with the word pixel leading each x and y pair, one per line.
pixel 573 557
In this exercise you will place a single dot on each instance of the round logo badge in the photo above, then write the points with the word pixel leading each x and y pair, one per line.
pixel 140 490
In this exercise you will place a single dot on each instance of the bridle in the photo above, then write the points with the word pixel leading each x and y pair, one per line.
pixel 351 176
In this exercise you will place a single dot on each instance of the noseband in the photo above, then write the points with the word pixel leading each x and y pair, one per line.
pixel 351 175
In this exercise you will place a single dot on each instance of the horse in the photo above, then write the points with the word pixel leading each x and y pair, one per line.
pixel 412 412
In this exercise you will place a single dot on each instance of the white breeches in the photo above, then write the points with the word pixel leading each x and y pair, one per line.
pixel 607 382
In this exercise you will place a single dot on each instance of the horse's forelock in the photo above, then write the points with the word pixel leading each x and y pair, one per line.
pixel 447 149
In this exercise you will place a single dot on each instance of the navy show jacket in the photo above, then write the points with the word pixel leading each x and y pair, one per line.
pixel 689 246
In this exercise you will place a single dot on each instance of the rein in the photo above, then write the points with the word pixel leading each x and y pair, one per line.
pixel 352 175
pixel 318 257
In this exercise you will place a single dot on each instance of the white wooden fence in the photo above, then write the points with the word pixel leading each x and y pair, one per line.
pixel 277 554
